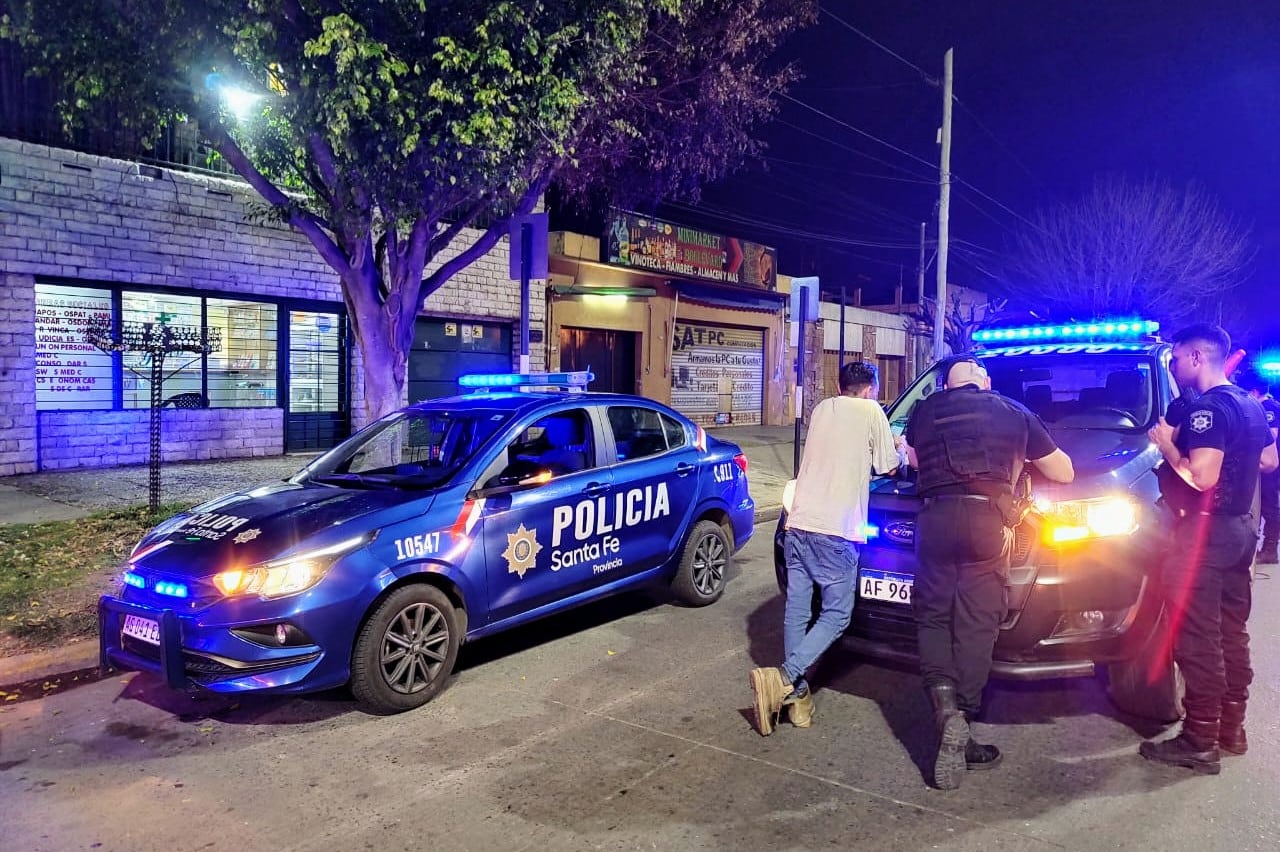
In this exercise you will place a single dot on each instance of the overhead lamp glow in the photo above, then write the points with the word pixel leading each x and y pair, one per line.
pixel 240 101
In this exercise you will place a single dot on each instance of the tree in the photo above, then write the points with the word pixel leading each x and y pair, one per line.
pixel 962 318
pixel 385 132
pixel 1130 248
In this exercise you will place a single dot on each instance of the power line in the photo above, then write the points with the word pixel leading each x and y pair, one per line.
pixel 858 130
pixel 1006 208
pixel 838 170
pixel 928 78
pixel 737 218
pixel 997 140
pixel 851 149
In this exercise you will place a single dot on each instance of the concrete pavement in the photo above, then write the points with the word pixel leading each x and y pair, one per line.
pixel 622 726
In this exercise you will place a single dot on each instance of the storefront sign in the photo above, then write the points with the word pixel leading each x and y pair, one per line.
pixel 717 374
pixel 71 373
pixel 646 243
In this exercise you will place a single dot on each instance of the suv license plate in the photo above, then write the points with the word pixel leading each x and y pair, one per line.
pixel 143 629
pixel 883 586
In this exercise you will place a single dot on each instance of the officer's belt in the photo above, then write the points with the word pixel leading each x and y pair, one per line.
pixel 982 498
pixel 1187 513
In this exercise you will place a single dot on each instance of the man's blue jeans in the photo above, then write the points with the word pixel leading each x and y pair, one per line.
pixel 828 563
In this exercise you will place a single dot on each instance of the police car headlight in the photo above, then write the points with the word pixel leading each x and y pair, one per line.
pixel 1078 520
pixel 287 576
pixel 788 494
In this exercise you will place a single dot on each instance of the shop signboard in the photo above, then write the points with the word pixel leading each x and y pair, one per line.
pixel 643 242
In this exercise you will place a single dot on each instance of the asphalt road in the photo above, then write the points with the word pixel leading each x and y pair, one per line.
pixel 621 726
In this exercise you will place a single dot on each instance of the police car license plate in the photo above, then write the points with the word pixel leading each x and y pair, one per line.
pixel 884 586
pixel 143 629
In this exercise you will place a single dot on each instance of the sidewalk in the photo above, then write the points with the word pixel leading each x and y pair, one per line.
pixel 66 495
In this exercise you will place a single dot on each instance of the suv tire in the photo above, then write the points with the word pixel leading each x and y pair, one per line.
pixel 1150 685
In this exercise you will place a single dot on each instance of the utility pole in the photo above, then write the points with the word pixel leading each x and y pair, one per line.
pixel 944 209
pixel 920 270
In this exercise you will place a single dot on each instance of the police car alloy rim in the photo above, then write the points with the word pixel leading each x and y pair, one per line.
pixel 709 559
pixel 414 648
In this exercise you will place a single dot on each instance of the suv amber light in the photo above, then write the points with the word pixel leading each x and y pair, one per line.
pixel 1080 520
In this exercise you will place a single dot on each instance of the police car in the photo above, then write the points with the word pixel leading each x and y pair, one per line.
pixel 447 521
pixel 1083 593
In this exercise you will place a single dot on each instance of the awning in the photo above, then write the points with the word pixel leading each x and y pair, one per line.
pixel 729 296
pixel 587 290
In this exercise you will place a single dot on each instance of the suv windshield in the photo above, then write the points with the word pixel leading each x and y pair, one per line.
pixel 409 449
pixel 1080 390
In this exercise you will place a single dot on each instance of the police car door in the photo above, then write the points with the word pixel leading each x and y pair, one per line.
pixel 531 491
pixel 655 484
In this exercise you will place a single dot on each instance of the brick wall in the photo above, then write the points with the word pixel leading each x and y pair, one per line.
pixel 88 219
pixel 71 439
pixel 17 374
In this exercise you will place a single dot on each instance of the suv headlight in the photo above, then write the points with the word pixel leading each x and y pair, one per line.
pixel 1069 521
pixel 288 576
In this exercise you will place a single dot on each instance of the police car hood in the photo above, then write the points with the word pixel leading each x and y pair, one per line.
pixel 260 524
pixel 1095 453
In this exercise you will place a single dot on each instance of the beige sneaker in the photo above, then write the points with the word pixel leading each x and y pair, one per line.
pixel 770 691
pixel 800 709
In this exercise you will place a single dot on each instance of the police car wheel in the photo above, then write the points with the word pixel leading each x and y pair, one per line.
pixel 405 650
pixel 704 565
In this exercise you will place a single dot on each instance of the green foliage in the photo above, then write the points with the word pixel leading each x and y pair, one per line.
pixel 386 128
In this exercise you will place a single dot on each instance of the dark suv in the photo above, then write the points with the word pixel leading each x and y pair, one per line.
pixel 1083 592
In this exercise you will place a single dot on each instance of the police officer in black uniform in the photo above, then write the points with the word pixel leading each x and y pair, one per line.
pixel 969 445
pixel 1260 389
pixel 1217 452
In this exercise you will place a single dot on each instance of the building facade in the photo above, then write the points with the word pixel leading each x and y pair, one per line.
pixel 714 350
pixel 85 238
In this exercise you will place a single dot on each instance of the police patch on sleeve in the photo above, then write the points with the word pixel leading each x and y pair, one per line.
pixel 1200 421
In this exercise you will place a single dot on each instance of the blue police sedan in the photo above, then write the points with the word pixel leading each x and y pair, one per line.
pixel 449 520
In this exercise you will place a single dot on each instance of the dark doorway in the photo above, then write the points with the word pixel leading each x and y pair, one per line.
pixel 443 350
pixel 610 355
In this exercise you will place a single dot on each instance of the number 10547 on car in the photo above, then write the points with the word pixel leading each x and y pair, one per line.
pixel 883 586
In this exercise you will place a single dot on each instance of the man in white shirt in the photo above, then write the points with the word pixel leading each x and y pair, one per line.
pixel 848 437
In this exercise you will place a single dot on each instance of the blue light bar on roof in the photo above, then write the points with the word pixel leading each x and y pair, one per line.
pixel 1109 329
pixel 1269 368
pixel 577 380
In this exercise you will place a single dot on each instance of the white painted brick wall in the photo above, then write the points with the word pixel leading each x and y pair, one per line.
pixel 90 219
pixel 80 439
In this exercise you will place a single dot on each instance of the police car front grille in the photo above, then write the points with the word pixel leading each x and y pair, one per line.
pixel 884 622
pixel 200 666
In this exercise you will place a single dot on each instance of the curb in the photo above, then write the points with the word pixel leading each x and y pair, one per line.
pixel 35 674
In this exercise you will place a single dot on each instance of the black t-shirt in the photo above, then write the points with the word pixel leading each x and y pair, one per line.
pixel 1226 418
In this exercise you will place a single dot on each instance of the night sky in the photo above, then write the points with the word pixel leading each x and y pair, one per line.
pixel 1050 94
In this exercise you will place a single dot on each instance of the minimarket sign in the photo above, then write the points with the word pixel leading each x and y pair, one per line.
pixel 642 242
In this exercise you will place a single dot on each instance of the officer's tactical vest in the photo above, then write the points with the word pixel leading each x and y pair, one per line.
pixel 966 436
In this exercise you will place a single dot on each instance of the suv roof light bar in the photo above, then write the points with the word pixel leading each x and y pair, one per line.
pixel 575 381
pixel 1111 329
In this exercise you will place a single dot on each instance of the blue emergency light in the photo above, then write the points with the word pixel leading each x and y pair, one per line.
pixel 1112 329
pixel 132 579
pixel 1269 368
pixel 577 380
pixel 173 590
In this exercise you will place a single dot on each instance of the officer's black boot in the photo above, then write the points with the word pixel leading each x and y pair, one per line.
pixel 1267 554
pixel 1196 747
pixel 1231 736
pixel 949 763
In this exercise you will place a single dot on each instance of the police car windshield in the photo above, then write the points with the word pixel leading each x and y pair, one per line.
pixel 1082 390
pixel 1112 390
pixel 411 449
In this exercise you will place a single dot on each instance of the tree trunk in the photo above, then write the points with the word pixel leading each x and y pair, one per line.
pixel 384 338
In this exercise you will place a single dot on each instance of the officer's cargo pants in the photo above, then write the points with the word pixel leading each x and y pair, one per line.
pixel 962 553
pixel 1207 585
pixel 1270 510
